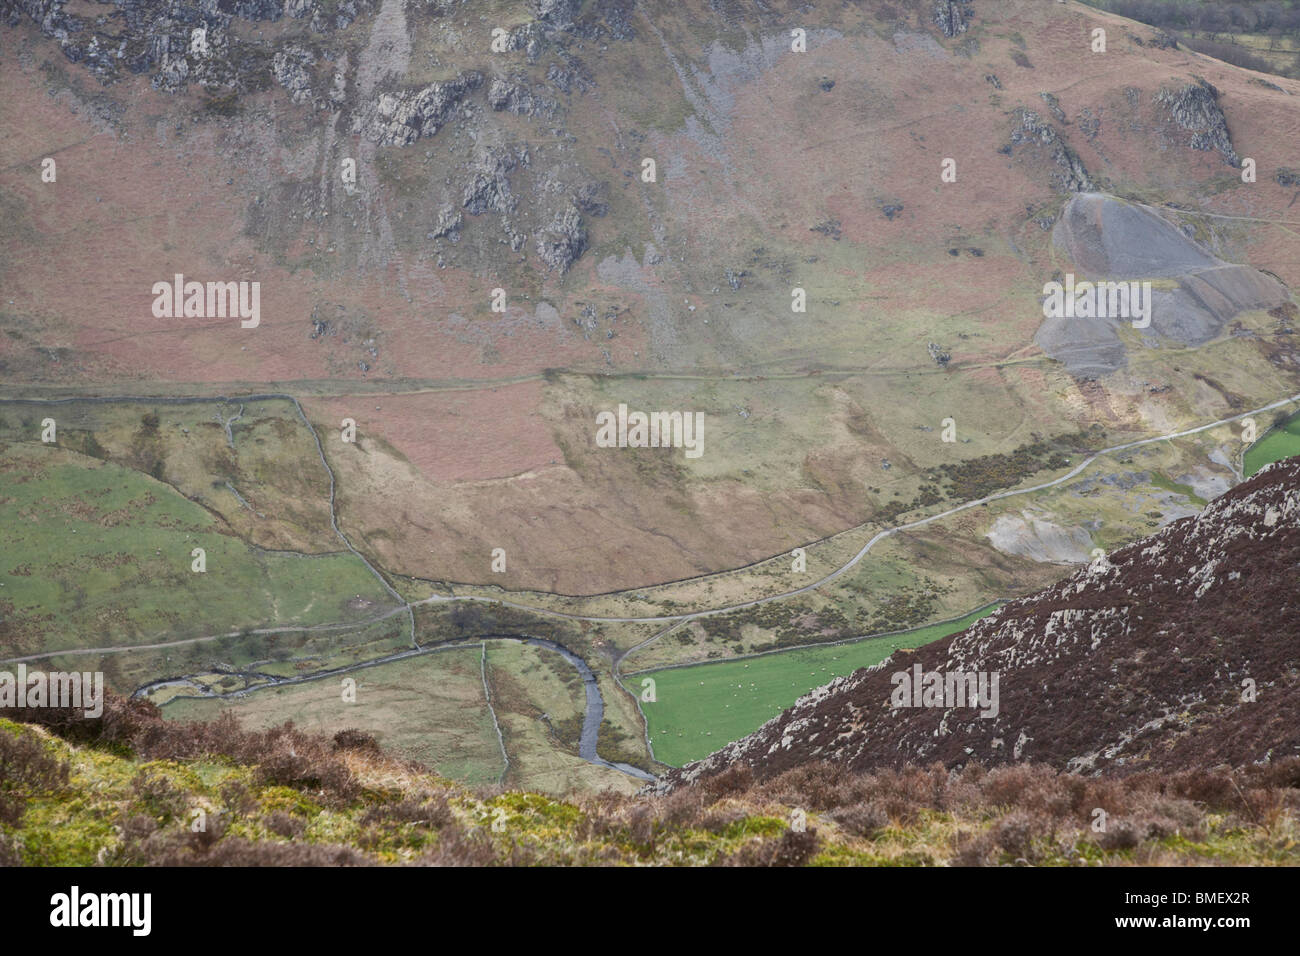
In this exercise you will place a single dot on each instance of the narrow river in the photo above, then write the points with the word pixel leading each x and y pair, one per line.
pixel 595 711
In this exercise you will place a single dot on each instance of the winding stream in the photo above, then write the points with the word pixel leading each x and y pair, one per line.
pixel 594 714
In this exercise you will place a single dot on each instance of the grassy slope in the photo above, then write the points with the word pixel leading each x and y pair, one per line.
pixel 429 709
pixel 702 708
pixel 1278 443
pixel 96 554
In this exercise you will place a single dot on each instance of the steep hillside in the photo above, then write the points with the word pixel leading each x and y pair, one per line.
pixel 1180 650
pixel 383 168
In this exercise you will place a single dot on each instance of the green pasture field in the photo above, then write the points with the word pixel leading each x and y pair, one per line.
pixel 1277 443
pixel 98 555
pixel 703 707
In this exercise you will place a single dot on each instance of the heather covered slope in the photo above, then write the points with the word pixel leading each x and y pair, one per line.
pixel 133 790
pixel 1145 660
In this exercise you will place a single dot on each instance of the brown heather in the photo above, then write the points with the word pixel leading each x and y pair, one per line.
pixel 391 811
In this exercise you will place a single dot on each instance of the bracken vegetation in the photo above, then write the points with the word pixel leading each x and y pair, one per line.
pixel 977 478
pixel 132 789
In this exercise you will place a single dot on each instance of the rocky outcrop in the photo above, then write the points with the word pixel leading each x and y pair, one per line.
pixel 952 16
pixel 1054 105
pixel 401 118
pixel 292 70
pixel 338 90
pixel 531 38
pixel 516 96
pixel 558 13
pixel 1163 41
pixel 324 18
pixel 1195 108
pixel 448 224
pixel 573 76
pixel 1180 650
pixel 589 197
pixel 563 239
pixel 1069 175
pixel 182 42
pixel 254 9
pixel 489 184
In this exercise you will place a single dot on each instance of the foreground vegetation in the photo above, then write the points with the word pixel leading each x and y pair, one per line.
pixel 132 789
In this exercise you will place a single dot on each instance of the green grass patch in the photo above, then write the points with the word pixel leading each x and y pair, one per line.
pixel 704 707
pixel 1160 481
pixel 1281 441
pixel 99 554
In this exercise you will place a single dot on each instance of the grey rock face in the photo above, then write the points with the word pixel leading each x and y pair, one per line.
pixel 589 198
pixel 1089 124
pixel 1070 174
pixel 531 38
pixel 1054 105
pixel 252 9
pixel 1195 108
pixel 489 185
pixel 292 70
pixel 339 91
pixel 559 13
pixel 952 16
pixel 515 96
pixel 572 77
pixel 401 118
pixel 159 37
pixel 449 223
pixel 345 14
pixel 1163 41
pixel 563 240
